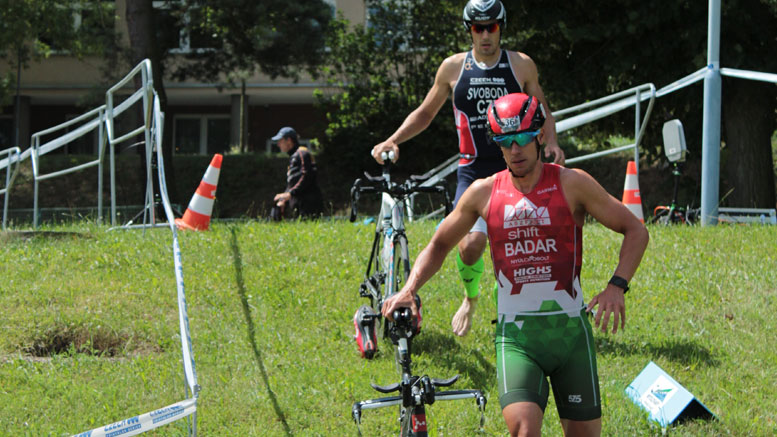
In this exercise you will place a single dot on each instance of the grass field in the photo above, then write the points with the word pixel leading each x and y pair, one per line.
pixel 89 330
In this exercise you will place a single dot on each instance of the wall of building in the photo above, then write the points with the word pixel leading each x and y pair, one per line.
pixel 60 87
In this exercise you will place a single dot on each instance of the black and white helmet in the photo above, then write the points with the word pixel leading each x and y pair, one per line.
pixel 484 10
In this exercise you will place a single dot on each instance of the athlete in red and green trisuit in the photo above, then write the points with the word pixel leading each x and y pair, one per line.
pixel 535 214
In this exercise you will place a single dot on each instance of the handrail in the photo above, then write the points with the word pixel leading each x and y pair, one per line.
pixel 751 75
pixel 596 114
pixel 146 93
pixel 630 97
pixel 93 120
pixel 11 169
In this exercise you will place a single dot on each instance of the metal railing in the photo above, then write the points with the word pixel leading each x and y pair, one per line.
pixel 147 128
pixel 11 165
pixel 91 120
pixel 602 107
pixel 103 120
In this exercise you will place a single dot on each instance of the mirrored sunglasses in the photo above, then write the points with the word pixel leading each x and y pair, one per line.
pixel 479 28
pixel 522 139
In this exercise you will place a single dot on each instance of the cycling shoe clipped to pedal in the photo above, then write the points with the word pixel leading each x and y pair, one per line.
pixel 365 323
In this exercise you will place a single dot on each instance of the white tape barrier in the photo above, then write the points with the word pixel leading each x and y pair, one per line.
pixel 154 419
pixel 186 340
pixel 144 422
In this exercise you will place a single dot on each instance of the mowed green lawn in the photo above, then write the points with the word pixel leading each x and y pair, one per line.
pixel 89 330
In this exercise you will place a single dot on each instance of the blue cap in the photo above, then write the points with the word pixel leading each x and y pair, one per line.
pixel 285 132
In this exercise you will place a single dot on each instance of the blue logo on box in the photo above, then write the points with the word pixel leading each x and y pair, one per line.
pixel 665 400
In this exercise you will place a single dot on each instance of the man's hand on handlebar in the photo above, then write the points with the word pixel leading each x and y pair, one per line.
pixel 386 146
pixel 403 299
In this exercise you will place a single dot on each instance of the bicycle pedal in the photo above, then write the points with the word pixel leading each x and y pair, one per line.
pixel 365 326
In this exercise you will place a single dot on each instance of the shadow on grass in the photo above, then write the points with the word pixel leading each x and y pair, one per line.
pixel 444 348
pixel 238 261
pixel 678 350
pixel 7 236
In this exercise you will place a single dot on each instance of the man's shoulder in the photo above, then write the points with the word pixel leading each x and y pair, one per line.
pixel 477 195
pixel 484 185
pixel 518 58
pixel 576 182
pixel 453 62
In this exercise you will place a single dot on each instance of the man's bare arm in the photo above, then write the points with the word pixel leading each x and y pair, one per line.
pixel 588 197
pixel 421 117
pixel 471 205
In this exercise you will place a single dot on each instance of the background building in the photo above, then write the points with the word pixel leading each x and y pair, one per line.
pixel 201 118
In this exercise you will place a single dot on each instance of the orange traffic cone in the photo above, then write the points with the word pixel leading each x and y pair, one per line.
pixel 197 215
pixel 631 197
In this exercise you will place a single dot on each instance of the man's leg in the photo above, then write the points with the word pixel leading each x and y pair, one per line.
pixel 470 266
pixel 576 383
pixel 582 428
pixel 523 419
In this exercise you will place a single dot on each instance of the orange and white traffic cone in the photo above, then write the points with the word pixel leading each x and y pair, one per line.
pixel 197 215
pixel 631 197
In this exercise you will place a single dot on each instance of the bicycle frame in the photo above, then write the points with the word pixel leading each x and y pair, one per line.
pixel 389 247
pixel 673 214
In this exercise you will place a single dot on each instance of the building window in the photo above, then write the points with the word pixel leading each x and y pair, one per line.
pixel 177 29
pixel 93 20
pixel 201 134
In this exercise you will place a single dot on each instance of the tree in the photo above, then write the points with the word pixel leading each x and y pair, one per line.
pixel 32 29
pixel 589 49
pixel 237 38
pixel 583 50
pixel 384 70
pixel 748 109
pixel 141 25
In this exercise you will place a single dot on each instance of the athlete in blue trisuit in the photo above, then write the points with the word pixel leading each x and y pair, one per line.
pixel 476 78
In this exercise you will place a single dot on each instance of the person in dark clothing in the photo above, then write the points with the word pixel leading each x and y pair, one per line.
pixel 302 197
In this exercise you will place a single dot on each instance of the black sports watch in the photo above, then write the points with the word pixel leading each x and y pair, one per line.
pixel 620 283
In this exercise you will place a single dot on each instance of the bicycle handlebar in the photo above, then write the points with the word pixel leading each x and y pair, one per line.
pixel 433 381
pixel 425 398
pixel 380 185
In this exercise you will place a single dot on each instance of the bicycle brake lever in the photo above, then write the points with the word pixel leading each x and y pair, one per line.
pixel 445 382
pixel 386 389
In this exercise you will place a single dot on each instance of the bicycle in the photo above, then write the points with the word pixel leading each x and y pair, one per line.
pixel 389 262
pixel 674 214
pixel 415 392
pixel 387 269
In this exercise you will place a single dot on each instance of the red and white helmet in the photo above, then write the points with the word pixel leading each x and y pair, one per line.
pixel 515 113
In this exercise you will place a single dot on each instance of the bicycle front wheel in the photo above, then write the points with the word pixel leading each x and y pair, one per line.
pixel 401 262
pixel 399 271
